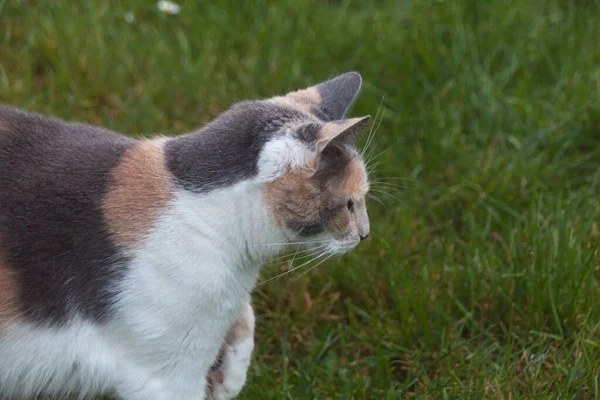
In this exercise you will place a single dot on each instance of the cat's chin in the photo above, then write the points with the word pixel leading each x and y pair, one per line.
pixel 341 247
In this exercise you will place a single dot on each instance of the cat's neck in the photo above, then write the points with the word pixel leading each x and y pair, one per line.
pixel 233 221
pixel 215 170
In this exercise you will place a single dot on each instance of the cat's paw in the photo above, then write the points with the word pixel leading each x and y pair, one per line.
pixel 228 375
pixel 229 378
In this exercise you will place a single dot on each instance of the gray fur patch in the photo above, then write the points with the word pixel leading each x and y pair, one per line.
pixel 227 150
pixel 338 95
pixel 52 231
pixel 308 133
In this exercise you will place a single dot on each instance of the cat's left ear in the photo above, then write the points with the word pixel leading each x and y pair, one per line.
pixel 342 132
pixel 330 100
pixel 338 94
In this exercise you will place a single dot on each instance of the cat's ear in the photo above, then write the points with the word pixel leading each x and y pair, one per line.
pixel 344 131
pixel 330 100
pixel 338 94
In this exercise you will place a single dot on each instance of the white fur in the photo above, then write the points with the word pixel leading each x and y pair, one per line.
pixel 34 359
pixel 235 367
pixel 281 154
pixel 236 360
pixel 187 284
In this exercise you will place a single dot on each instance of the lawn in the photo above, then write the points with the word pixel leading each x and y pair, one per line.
pixel 481 278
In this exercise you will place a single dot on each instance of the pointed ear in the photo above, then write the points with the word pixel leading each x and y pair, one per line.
pixel 344 131
pixel 330 100
pixel 338 94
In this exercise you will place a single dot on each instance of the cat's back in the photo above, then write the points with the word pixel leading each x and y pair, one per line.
pixel 34 140
pixel 54 176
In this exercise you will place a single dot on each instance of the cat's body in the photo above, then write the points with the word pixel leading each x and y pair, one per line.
pixel 126 266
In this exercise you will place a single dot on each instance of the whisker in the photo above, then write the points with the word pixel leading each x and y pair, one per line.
pixel 321 254
pixel 295 234
pixel 291 243
pixel 395 178
pixel 311 251
pixel 311 254
pixel 368 156
pixel 371 168
pixel 372 130
pixel 372 196
pixel 384 151
pixel 387 185
pixel 386 193
pixel 295 254
pixel 313 267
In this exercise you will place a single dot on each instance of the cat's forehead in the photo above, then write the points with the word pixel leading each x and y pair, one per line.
pixel 356 184
pixel 344 172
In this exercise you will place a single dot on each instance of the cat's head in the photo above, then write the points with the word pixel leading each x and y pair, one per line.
pixel 315 179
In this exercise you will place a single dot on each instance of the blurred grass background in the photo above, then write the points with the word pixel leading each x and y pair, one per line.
pixel 481 276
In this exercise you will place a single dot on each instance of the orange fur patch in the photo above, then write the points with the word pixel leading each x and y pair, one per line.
pixel 141 187
pixel 9 295
pixel 356 183
pixel 302 100
pixel 292 197
pixel 243 327
pixel 341 221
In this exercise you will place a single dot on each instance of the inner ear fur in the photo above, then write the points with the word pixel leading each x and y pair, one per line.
pixel 342 131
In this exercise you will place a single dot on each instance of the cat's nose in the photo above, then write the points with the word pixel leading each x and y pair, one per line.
pixel 363 237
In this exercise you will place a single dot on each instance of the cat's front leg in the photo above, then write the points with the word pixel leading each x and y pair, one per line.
pixel 228 375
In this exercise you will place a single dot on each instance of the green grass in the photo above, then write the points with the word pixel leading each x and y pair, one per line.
pixel 481 279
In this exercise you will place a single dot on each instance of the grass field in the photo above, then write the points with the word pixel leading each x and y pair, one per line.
pixel 481 279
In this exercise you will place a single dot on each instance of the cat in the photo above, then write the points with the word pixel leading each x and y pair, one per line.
pixel 126 266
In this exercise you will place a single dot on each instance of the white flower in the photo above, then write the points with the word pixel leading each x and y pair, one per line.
pixel 168 7
pixel 129 17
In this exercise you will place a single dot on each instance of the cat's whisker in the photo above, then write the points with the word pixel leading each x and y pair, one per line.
pixel 285 256
pixel 313 267
pixel 370 168
pixel 291 243
pixel 388 185
pixel 321 254
pixel 295 254
pixel 384 151
pixel 372 196
pixel 311 251
pixel 372 130
pixel 396 178
pixel 370 136
pixel 370 153
pixel 386 193
pixel 295 234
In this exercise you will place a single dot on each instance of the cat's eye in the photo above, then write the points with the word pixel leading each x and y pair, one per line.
pixel 350 204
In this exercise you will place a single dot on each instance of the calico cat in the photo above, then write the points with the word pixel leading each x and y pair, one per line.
pixel 126 266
